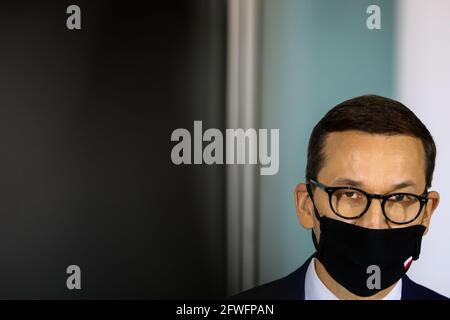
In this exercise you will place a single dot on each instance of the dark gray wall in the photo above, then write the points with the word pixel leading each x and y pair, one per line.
pixel 85 171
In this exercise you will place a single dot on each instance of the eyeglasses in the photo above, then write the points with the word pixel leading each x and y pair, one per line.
pixel 352 203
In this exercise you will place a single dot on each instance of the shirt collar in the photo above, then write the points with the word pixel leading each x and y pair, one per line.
pixel 316 290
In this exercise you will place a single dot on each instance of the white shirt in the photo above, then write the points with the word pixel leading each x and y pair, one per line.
pixel 316 290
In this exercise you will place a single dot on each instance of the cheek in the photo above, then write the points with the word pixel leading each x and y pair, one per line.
pixel 322 204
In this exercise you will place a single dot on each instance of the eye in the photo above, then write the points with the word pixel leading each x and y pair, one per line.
pixel 404 198
pixel 351 195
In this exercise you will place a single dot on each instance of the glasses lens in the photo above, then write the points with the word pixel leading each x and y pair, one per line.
pixel 349 203
pixel 402 208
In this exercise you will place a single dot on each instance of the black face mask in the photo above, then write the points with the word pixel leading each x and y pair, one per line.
pixel 365 261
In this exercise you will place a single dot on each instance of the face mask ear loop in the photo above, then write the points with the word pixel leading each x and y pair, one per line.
pixel 418 243
pixel 421 231
pixel 316 213
pixel 310 193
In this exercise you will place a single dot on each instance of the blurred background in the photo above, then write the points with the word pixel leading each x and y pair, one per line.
pixel 86 118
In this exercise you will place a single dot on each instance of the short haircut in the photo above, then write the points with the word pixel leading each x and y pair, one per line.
pixel 372 114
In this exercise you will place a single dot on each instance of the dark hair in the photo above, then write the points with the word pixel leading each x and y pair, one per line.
pixel 371 114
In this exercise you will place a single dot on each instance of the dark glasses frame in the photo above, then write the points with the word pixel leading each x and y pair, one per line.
pixel 423 199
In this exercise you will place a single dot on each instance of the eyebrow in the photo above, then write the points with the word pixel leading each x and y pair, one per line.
pixel 359 184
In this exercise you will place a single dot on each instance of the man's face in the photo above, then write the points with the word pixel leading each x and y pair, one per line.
pixel 376 164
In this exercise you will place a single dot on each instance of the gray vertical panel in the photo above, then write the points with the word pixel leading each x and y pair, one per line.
pixel 242 93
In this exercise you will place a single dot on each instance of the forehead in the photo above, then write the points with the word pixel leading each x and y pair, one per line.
pixel 375 159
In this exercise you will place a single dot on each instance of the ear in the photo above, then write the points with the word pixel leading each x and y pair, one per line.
pixel 304 206
pixel 433 202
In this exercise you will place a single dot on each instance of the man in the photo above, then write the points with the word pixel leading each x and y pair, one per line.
pixel 367 201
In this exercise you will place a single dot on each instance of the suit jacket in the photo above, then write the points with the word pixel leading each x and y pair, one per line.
pixel 292 287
